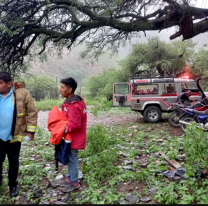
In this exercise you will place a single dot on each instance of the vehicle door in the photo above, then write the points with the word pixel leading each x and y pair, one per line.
pixel 196 94
pixel 121 94
pixel 169 92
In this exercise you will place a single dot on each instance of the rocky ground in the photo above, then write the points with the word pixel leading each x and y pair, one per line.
pixel 50 190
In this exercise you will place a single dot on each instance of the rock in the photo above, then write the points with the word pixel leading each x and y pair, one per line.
pixel 130 135
pixel 55 183
pixel 47 168
pixel 127 161
pixel 45 203
pixel 177 179
pixel 124 202
pixel 152 190
pixel 157 162
pixel 125 155
pixel 32 159
pixel 127 167
pixel 79 196
pixel 181 157
pixel 180 149
pixel 81 176
pixel 37 192
pixel 145 199
pixel 60 203
pixel 144 164
pixel 156 155
pixel 50 191
pixel 136 157
pixel 132 198
pixel 46 143
pixel 59 177
pixel 54 194
pixel 17 198
pixel 136 188
pixel 65 198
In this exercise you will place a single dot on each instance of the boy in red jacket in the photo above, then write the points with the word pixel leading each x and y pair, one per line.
pixel 74 108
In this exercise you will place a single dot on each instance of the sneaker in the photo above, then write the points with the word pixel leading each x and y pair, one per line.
pixel 70 187
pixel 65 182
pixel 14 191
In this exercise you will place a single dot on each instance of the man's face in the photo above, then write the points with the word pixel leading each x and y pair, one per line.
pixel 5 87
pixel 65 91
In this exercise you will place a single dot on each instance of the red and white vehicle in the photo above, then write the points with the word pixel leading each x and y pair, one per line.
pixel 152 95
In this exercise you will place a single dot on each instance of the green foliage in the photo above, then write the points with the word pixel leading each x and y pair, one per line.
pixel 47 104
pixel 199 67
pixel 41 87
pixel 102 84
pixel 98 140
pixel 196 148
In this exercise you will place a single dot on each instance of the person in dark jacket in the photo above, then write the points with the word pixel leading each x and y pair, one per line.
pixel 183 98
pixel 74 108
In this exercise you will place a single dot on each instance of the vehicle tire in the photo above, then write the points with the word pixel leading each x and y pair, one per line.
pixel 188 120
pixel 173 119
pixel 152 114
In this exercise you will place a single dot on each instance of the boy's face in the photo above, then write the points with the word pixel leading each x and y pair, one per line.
pixel 5 87
pixel 65 91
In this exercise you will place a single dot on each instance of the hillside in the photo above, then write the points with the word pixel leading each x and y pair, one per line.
pixel 71 65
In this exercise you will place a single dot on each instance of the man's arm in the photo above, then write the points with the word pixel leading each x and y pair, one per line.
pixel 31 116
pixel 74 122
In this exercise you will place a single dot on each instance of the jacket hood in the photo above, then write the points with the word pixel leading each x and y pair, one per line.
pixel 17 85
pixel 75 98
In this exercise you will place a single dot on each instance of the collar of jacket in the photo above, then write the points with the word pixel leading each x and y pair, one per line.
pixel 73 99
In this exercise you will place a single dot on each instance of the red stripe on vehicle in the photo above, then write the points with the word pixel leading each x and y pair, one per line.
pixel 168 95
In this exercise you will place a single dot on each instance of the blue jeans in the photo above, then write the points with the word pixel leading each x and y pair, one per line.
pixel 72 166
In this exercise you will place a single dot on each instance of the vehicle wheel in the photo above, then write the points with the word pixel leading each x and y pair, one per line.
pixel 188 120
pixel 152 114
pixel 173 118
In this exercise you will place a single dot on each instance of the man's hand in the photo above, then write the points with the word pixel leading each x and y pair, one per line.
pixel 31 136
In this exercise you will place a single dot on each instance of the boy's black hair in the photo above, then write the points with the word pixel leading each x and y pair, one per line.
pixel 70 82
pixel 5 76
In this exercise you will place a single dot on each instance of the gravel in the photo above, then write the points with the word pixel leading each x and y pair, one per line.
pixel 105 119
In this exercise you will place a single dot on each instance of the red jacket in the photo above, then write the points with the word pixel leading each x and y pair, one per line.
pixel 57 122
pixel 75 109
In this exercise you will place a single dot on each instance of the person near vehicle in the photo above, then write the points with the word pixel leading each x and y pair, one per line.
pixel 183 98
pixel 18 116
pixel 74 108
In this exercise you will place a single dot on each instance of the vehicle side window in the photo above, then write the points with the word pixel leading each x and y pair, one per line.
pixel 189 86
pixel 144 89
pixel 168 88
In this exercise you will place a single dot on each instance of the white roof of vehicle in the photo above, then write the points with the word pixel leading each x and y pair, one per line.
pixel 161 80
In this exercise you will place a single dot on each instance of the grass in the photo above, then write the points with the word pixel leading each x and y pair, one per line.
pixel 102 163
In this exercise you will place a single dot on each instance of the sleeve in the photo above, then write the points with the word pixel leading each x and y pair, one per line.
pixel 74 122
pixel 31 114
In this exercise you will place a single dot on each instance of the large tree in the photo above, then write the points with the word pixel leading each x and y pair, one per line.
pixel 48 23
pixel 157 57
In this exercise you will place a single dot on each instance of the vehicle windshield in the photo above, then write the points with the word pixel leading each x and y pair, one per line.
pixel 121 89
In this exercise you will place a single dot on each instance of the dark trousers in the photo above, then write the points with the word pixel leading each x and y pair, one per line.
pixel 12 150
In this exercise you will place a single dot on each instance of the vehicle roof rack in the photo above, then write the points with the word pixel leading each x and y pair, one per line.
pixel 138 76
pixel 157 79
